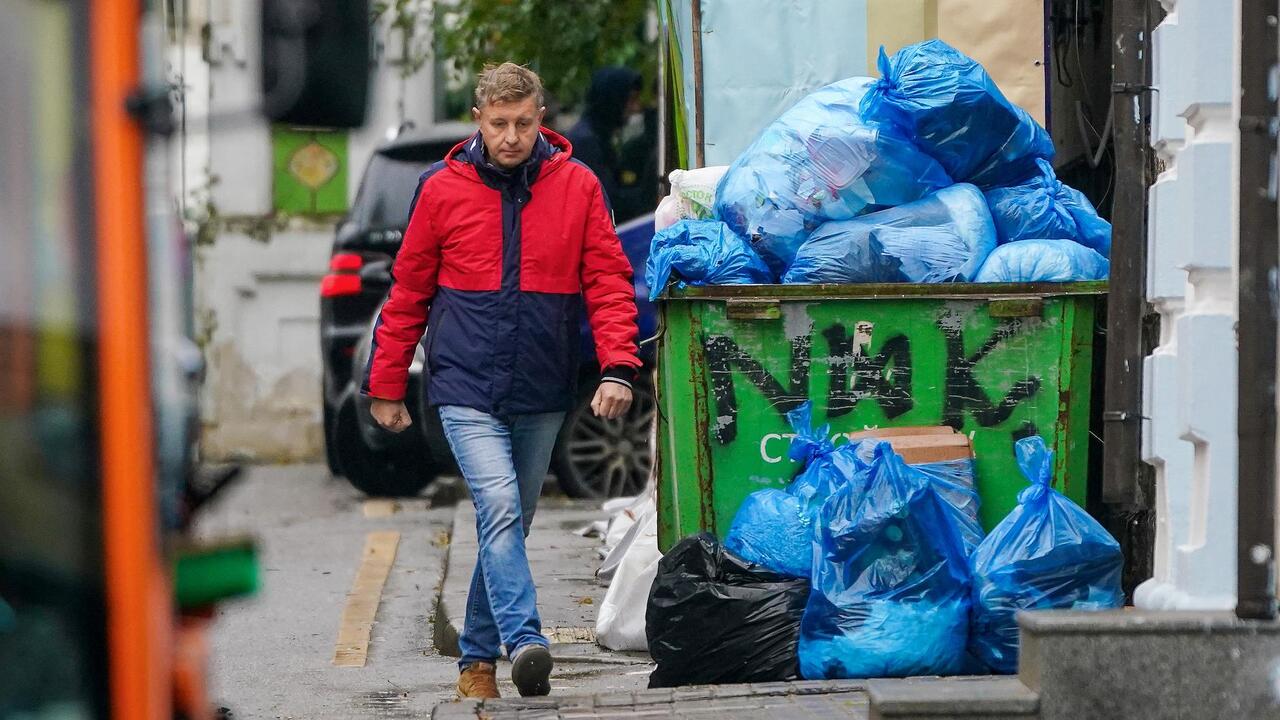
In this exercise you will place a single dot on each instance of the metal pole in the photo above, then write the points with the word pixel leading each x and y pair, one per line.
pixel 699 111
pixel 1256 329
pixel 663 38
pixel 1126 303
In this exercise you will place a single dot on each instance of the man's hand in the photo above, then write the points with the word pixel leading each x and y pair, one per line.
pixel 612 400
pixel 390 414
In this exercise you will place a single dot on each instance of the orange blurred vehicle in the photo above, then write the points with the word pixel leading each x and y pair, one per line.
pixel 104 597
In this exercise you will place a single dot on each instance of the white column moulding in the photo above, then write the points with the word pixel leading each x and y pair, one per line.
pixel 1189 433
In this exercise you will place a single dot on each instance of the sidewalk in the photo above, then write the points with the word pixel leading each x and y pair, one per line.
pixel 818 700
pixel 563 566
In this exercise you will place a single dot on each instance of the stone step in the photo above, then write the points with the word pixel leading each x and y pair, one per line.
pixel 960 698
pixel 1157 664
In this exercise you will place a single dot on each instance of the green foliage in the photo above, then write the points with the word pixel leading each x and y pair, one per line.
pixel 563 41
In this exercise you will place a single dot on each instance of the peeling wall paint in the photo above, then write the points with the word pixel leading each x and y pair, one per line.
pixel 257 271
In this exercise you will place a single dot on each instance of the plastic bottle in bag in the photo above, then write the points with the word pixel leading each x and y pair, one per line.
pixel 821 160
pixel 941 238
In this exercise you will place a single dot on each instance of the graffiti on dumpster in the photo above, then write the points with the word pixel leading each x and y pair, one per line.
pixel 963 392
pixel 885 376
pixel 724 356
pixel 856 374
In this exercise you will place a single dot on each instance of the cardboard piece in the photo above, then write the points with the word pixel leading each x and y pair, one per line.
pixel 918 445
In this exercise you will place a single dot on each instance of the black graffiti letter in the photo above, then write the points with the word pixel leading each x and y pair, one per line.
pixel 886 377
pixel 724 356
pixel 963 391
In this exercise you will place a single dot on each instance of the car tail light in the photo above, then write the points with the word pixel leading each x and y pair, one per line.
pixel 345 261
pixel 338 285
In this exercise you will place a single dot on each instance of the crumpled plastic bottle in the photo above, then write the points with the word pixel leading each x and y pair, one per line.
pixel 821 160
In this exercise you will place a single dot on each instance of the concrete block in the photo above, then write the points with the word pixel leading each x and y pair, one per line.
pixel 1170 455
pixel 1206 561
pixel 1168 128
pixel 1169 239
pixel 951 699
pixel 1205 169
pixel 1193 63
pixel 1123 664
pixel 1208 72
pixel 1207 374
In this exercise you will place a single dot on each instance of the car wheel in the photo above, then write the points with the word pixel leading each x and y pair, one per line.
pixel 330 452
pixel 396 472
pixel 597 458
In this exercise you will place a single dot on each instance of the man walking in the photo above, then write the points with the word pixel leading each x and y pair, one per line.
pixel 508 235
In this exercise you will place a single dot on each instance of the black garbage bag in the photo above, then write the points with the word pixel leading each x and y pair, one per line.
pixel 715 618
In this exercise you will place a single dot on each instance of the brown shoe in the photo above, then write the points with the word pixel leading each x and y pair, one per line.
pixel 479 680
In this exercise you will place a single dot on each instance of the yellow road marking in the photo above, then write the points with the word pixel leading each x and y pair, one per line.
pixel 380 508
pixel 352 649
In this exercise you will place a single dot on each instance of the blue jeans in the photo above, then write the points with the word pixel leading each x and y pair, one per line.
pixel 504 461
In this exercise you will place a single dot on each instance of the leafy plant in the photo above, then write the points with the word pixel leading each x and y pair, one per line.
pixel 564 42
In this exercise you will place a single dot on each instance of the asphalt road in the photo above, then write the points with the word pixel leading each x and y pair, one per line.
pixel 272 655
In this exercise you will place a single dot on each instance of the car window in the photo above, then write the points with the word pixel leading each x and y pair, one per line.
pixel 387 190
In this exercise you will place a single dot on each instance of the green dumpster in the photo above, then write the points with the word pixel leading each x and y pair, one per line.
pixel 996 362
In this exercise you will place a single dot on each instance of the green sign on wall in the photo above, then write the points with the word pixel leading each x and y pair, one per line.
pixel 310 171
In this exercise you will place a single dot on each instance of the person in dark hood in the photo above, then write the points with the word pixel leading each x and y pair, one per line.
pixel 614 96
pixel 638 176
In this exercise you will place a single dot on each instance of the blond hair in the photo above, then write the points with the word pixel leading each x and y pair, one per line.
pixel 507 82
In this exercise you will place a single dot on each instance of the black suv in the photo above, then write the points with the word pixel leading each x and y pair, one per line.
pixel 593 458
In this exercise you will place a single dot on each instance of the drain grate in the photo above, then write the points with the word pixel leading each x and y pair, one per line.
pixel 384 704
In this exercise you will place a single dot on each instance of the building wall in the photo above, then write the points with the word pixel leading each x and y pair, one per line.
pixel 1189 431
pixel 257 270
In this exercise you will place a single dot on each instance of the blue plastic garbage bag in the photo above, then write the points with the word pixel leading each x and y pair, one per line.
pixel 955 481
pixel 890 590
pixel 820 161
pixel 771 530
pixel 1043 261
pixel 1043 207
pixel 774 528
pixel 702 252
pixel 941 238
pixel 1047 553
pixel 825 466
pixel 947 103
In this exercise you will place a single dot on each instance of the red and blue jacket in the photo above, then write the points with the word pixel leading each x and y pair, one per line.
pixel 496 266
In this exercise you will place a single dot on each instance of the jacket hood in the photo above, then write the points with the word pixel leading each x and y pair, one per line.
pixel 607 97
